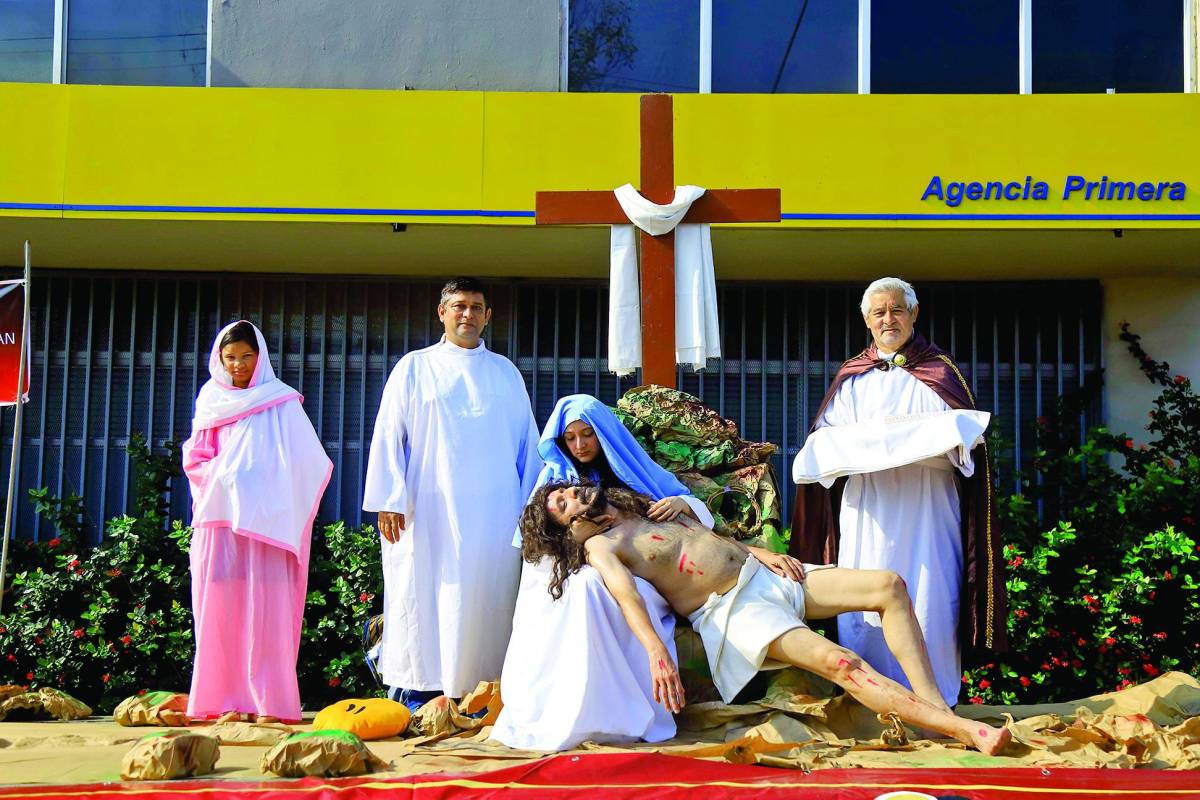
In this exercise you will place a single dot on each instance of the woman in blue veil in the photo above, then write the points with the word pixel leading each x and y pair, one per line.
pixel 574 670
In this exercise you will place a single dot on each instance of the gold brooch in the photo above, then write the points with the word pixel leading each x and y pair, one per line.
pixel 900 360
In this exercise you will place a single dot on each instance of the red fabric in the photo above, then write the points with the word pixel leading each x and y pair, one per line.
pixel 657 777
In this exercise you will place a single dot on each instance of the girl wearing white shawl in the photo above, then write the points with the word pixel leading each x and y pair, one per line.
pixel 257 472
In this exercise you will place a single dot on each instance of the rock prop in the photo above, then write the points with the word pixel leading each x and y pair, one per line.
pixel 43 704
pixel 165 709
pixel 330 754
pixel 733 476
pixel 374 718
pixel 170 754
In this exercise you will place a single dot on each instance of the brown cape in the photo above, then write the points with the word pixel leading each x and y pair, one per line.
pixel 983 605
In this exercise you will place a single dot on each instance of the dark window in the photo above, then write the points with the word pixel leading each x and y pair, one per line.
pixel 634 46
pixel 132 42
pixel 785 46
pixel 26 40
pixel 945 46
pixel 1096 45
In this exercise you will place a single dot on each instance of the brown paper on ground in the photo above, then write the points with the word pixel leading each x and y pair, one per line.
pixel 45 702
pixel 168 755
pixel 163 709
pixel 321 753
pixel 441 717
pixel 249 734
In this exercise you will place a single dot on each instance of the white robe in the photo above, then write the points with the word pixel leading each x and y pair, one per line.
pixel 455 451
pixel 574 671
pixel 904 519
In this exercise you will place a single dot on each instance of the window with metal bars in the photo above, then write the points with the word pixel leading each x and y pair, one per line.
pixel 118 354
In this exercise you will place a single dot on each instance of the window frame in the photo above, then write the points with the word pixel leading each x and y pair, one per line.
pixel 59 59
pixel 1191 45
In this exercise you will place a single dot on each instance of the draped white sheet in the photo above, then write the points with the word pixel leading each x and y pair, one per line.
pixel 697 332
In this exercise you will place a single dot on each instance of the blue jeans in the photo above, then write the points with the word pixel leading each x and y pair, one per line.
pixel 413 698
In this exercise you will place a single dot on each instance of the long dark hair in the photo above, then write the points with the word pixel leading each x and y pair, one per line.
pixel 542 536
pixel 241 332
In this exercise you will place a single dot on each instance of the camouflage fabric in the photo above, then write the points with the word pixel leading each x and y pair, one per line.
pixel 731 475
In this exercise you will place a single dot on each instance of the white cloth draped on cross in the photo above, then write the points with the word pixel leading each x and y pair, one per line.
pixel 697 334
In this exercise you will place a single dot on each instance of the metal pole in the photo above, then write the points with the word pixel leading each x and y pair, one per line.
pixel 17 411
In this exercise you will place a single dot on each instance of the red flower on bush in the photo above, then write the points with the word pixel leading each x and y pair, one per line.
pixel 1082 642
pixel 1076 663
pixel 985 683
pixel 1135 620
pixel 335 682
pixel 141 691
pixel 1102 649
pixel 126 639
pixel 79 633
pixel 362 598
pixel 1129 444
pixel 1046 666
pixel 1124 670
pixel 1179 380
pixel 1110 641
pixel 977 700
pixel 11 657
pixel 1021 613
pixel 28 676
pixel 1161 635
pixel 114 573
pixel 73 563
pixel 1167 575
pixel 106 677
pixel 1016 562
pixel 1150 669
pixel 55 542
pixel 1024 681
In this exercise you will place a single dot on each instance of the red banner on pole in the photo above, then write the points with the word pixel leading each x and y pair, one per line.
pixel 12 315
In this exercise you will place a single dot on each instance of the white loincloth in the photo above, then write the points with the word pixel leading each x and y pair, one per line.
pixel 766 606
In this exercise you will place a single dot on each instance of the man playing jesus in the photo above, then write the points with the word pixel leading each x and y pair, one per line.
pixel 927 514
pixel 744 613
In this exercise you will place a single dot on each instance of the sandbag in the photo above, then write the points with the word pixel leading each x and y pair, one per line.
pixel 368 719
pixel 170 754
pixel 330 754
pixel 44 703
pixel 166 709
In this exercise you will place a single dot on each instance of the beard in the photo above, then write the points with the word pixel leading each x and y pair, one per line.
pixel 593 497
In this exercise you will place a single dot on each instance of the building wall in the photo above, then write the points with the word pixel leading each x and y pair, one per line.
pixel 499 45
pixel 1163 311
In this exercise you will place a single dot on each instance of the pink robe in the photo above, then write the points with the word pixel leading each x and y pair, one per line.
pixel 248 603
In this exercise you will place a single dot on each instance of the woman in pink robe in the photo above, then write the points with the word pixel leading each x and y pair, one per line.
pixel 257 472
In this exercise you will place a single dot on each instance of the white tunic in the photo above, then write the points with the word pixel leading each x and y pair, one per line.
pixel 907 520
pixel 455 451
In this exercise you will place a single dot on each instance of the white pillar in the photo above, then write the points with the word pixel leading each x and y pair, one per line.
pixel 705 46
pixel 1025 32
pixel 864 46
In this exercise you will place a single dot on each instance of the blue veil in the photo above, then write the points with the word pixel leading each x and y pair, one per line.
pixel 626 458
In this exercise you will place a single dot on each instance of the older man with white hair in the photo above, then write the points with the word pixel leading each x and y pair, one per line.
pixel 895 475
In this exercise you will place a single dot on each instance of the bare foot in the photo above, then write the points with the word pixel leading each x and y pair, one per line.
pixel 985 738
pixel 266 719
pixel 231 716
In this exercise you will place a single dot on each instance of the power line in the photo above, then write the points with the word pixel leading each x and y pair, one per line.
pixel 788 52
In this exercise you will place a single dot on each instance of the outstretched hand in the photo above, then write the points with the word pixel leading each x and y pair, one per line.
pixel 667 509
pixel 668 688
pixel 780 563
pixel 391 525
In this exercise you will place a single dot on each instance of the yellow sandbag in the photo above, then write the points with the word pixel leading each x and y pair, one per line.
pixel 373 718
pixel 170 754
pixel 330 754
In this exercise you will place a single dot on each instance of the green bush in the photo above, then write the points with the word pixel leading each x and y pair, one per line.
pixel 108 621
pixel 1109 595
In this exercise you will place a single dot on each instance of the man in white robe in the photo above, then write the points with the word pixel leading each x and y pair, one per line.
pixel 924 513
pixel 453 457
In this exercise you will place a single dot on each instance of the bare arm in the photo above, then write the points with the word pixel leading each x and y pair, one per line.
pixel 668 689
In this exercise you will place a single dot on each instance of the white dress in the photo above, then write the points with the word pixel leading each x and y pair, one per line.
pixel 905 519
pixel 455 451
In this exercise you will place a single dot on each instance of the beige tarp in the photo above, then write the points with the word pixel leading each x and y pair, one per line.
pixel 1154 725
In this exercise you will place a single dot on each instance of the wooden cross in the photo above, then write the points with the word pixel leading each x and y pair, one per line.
pixel 658 252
